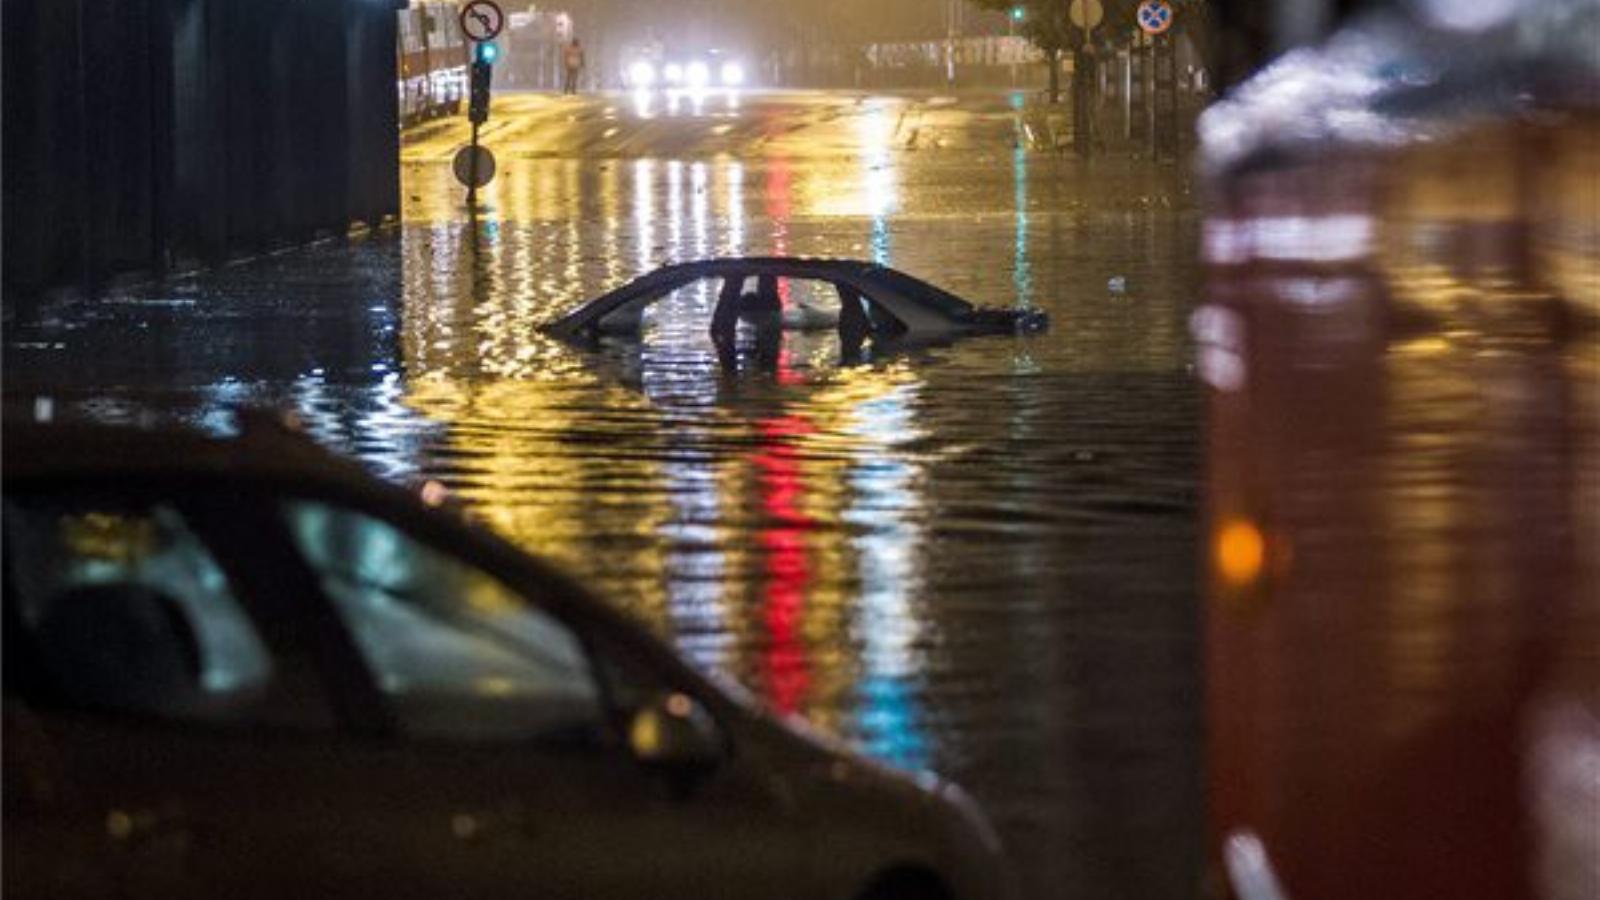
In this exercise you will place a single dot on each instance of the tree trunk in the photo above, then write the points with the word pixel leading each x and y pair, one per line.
pixel 1053 59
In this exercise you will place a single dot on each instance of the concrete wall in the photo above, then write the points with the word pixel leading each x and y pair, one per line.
pixel 144 135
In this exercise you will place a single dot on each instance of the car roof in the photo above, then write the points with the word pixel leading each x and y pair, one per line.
pixel 266 446
pixel 860 274
pixel 269 447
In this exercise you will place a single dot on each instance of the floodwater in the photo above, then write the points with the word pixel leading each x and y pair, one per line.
pixel 975 558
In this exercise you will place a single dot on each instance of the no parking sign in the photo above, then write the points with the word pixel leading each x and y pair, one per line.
pixel 481 20
pixel 1155 16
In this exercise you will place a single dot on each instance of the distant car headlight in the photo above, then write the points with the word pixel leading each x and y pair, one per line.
pixel 673 73
pixel 697 74
pixel 732 74
pixel 642 74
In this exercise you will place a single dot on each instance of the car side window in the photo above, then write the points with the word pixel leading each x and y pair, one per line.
pixel 458 653
pixel 126 608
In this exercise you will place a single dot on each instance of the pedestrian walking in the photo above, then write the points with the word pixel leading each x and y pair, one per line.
pixel 572 59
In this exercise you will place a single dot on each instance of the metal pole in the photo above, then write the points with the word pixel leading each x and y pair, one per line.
pixel 1150 93
pixel 1082 136
pixel 950 42
pixel 1127 94
pixel 472 169
pixel 1011 33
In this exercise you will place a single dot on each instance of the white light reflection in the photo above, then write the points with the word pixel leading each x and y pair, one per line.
pixel 875 128
pixel 674 209
pixel 1318 293
pixel 699 202
pixel 1336 238
pixel 883 506
pixel 733 207
pixel 1307 96
pixel 644 103
pixel 1219 335
pixel 644 225
pixel 1469 15
pixel 1250 872
pixel 696 564
pixel 1562 777
pixel 377 425
pixel 1021 269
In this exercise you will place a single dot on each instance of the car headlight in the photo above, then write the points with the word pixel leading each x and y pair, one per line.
pixel 642 74
pixel 732 74
pixel 673 73
pixel 697 74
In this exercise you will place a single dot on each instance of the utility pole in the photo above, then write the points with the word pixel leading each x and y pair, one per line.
pixel 952 9
pixel 1016 15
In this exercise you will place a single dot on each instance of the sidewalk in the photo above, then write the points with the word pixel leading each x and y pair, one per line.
pixel 1049 127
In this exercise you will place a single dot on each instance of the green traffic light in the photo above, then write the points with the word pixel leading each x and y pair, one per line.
pixel 487 53
pixel 1017 13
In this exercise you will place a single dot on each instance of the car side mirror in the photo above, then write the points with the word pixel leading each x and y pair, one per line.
pixel 673 732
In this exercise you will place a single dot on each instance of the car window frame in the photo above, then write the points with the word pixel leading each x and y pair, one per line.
pixel 245 580
pixel 437 530
pixel 361 710
pixel 601 629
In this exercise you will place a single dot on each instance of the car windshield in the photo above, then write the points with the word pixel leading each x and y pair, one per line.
pixel 459 651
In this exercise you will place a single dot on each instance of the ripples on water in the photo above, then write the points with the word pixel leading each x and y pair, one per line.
pixel 975 558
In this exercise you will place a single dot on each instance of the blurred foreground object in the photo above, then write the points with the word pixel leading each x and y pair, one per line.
pixel 1400 339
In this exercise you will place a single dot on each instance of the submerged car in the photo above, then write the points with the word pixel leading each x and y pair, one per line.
pixel 869 302
pixel 241 667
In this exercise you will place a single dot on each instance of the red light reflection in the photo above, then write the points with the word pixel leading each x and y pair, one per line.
pixel 788 572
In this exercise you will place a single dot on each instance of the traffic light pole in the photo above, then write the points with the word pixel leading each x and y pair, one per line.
pixel 480 21
pixel 472 182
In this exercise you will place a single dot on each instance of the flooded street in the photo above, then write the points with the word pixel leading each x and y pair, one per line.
pixel 1176 424
pixel 976 558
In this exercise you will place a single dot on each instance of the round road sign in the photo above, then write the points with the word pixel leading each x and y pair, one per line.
pixel 481 20
pixel 1155 16
pixel 1086 14
pixel 464 169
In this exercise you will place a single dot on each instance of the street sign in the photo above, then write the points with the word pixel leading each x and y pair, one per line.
pixel 1155 16
pixel 481 20
pixel 1086 14
pixel 466 172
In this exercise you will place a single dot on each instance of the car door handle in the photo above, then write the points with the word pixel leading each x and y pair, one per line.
pixel 133 827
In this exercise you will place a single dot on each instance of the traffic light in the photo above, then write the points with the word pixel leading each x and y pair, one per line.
pixel 483 57
pixel 1018 13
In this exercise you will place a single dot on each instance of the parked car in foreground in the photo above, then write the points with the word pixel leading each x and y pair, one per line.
pixel 241 667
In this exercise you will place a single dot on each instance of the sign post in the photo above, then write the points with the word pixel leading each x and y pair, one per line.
pixel 481 21
pixel 1161 101
pixel 1086 15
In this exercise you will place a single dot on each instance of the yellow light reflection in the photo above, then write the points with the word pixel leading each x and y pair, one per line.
pixel 869 187
pixel 495 687
pixel 1239 552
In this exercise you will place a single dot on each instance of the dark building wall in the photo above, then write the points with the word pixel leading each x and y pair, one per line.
pixel 142 135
